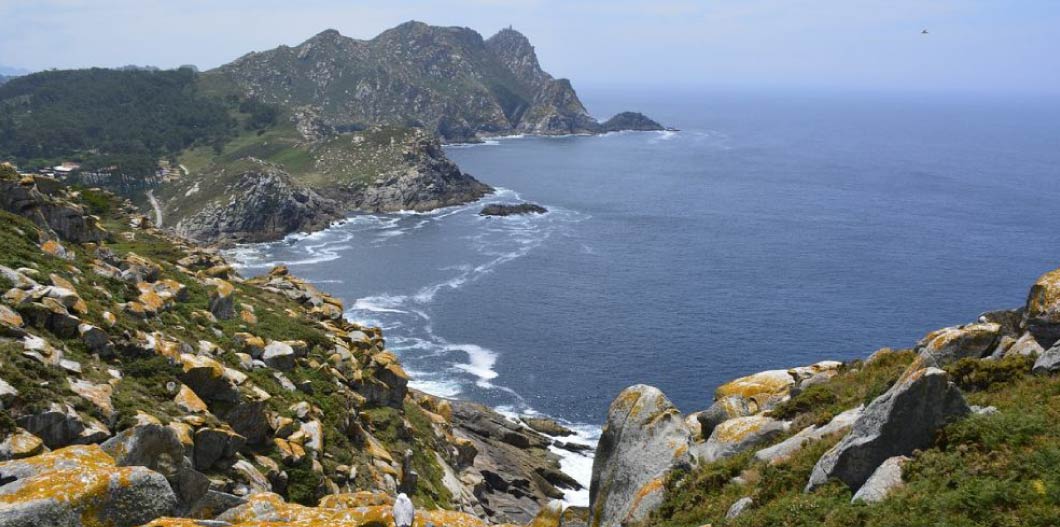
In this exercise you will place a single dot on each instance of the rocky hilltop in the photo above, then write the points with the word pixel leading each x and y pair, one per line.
pixel 143 381
pixel 961 429
pixel 447 79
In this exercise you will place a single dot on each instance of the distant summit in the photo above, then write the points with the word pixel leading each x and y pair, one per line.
pixel 446 79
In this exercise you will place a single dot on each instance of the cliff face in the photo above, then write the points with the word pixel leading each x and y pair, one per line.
pixel 306 181
pixel 446 79
pixel 142 377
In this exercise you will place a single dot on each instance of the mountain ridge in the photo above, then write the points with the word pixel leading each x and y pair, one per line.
pixel 447 79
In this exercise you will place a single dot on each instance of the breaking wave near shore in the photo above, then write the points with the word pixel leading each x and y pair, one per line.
pixel 390 269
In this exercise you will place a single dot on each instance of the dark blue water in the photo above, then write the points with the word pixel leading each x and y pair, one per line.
pixel 772 231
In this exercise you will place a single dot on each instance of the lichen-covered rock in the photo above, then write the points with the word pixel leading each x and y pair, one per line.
pixel 884 480
pixel 644 438
pixel 786 448
pixel 948 345
pixel 761 391
pixel 222 298
pixel 21 444
pixel 736 435
pixel 1042 313
pixel 79 486
pixel 722 410
pixel 160 449
pixel 901 420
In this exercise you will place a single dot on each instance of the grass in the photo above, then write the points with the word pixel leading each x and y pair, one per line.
pixel 1000 470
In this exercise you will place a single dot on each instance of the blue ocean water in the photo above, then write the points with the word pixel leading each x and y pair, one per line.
pixel 771 231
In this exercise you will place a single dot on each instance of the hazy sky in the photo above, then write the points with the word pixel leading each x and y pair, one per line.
pixel 973 45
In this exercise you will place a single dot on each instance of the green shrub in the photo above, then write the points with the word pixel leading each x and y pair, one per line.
pixel 976 374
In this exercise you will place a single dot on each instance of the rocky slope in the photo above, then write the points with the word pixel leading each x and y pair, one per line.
pixel 447 79
pixel 262 187
pixel 961 429
pixel 141 377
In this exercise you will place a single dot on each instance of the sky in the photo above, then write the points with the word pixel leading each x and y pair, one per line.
pixel 990 46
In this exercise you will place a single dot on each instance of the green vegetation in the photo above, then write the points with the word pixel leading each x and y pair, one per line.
pixel 124 118
pixel 1001 469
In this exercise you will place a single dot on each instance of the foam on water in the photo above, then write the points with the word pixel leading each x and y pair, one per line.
pixel 435 365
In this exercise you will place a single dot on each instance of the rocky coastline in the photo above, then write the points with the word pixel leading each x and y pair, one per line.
pixel 648 447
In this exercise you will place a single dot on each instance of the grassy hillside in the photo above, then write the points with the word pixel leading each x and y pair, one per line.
pixel 997 469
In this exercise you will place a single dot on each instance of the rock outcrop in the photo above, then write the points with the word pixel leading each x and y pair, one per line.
pixel 884 480
pixel 502 209
pixel 643 439
pixel 894 424
pixel 494 86
pixel 78 486
pixel 263 204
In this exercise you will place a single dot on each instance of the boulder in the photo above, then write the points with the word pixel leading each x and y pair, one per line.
pixel 206 377
pixel 215 444
pixel 760 391
pixel 1048 362
pixel 722 410
pixel 948 345
pixel 248 419
pixel 58 426
pixel 738 507
pixel 884 480
pixel 95 339
pixel 78 486
pixel 97 394
pixel 160 449
pixel 222 298
pixel 739 434
pixel 547 426
pixel 21 444
pixel 786 448
pixel 903 419
pixel 643 439
pixel 1041 315
pixel 279 355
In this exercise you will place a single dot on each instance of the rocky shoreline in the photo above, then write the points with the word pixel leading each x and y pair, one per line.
pixel 647 442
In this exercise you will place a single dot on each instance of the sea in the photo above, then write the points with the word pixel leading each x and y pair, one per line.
pixel 771 230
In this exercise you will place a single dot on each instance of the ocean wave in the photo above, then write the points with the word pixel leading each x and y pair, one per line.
pixel 480 362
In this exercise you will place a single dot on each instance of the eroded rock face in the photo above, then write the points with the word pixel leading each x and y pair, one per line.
pixel 901 420
pixel 644 438
pixel 265 204
pixel 78 486
pixel 64 219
